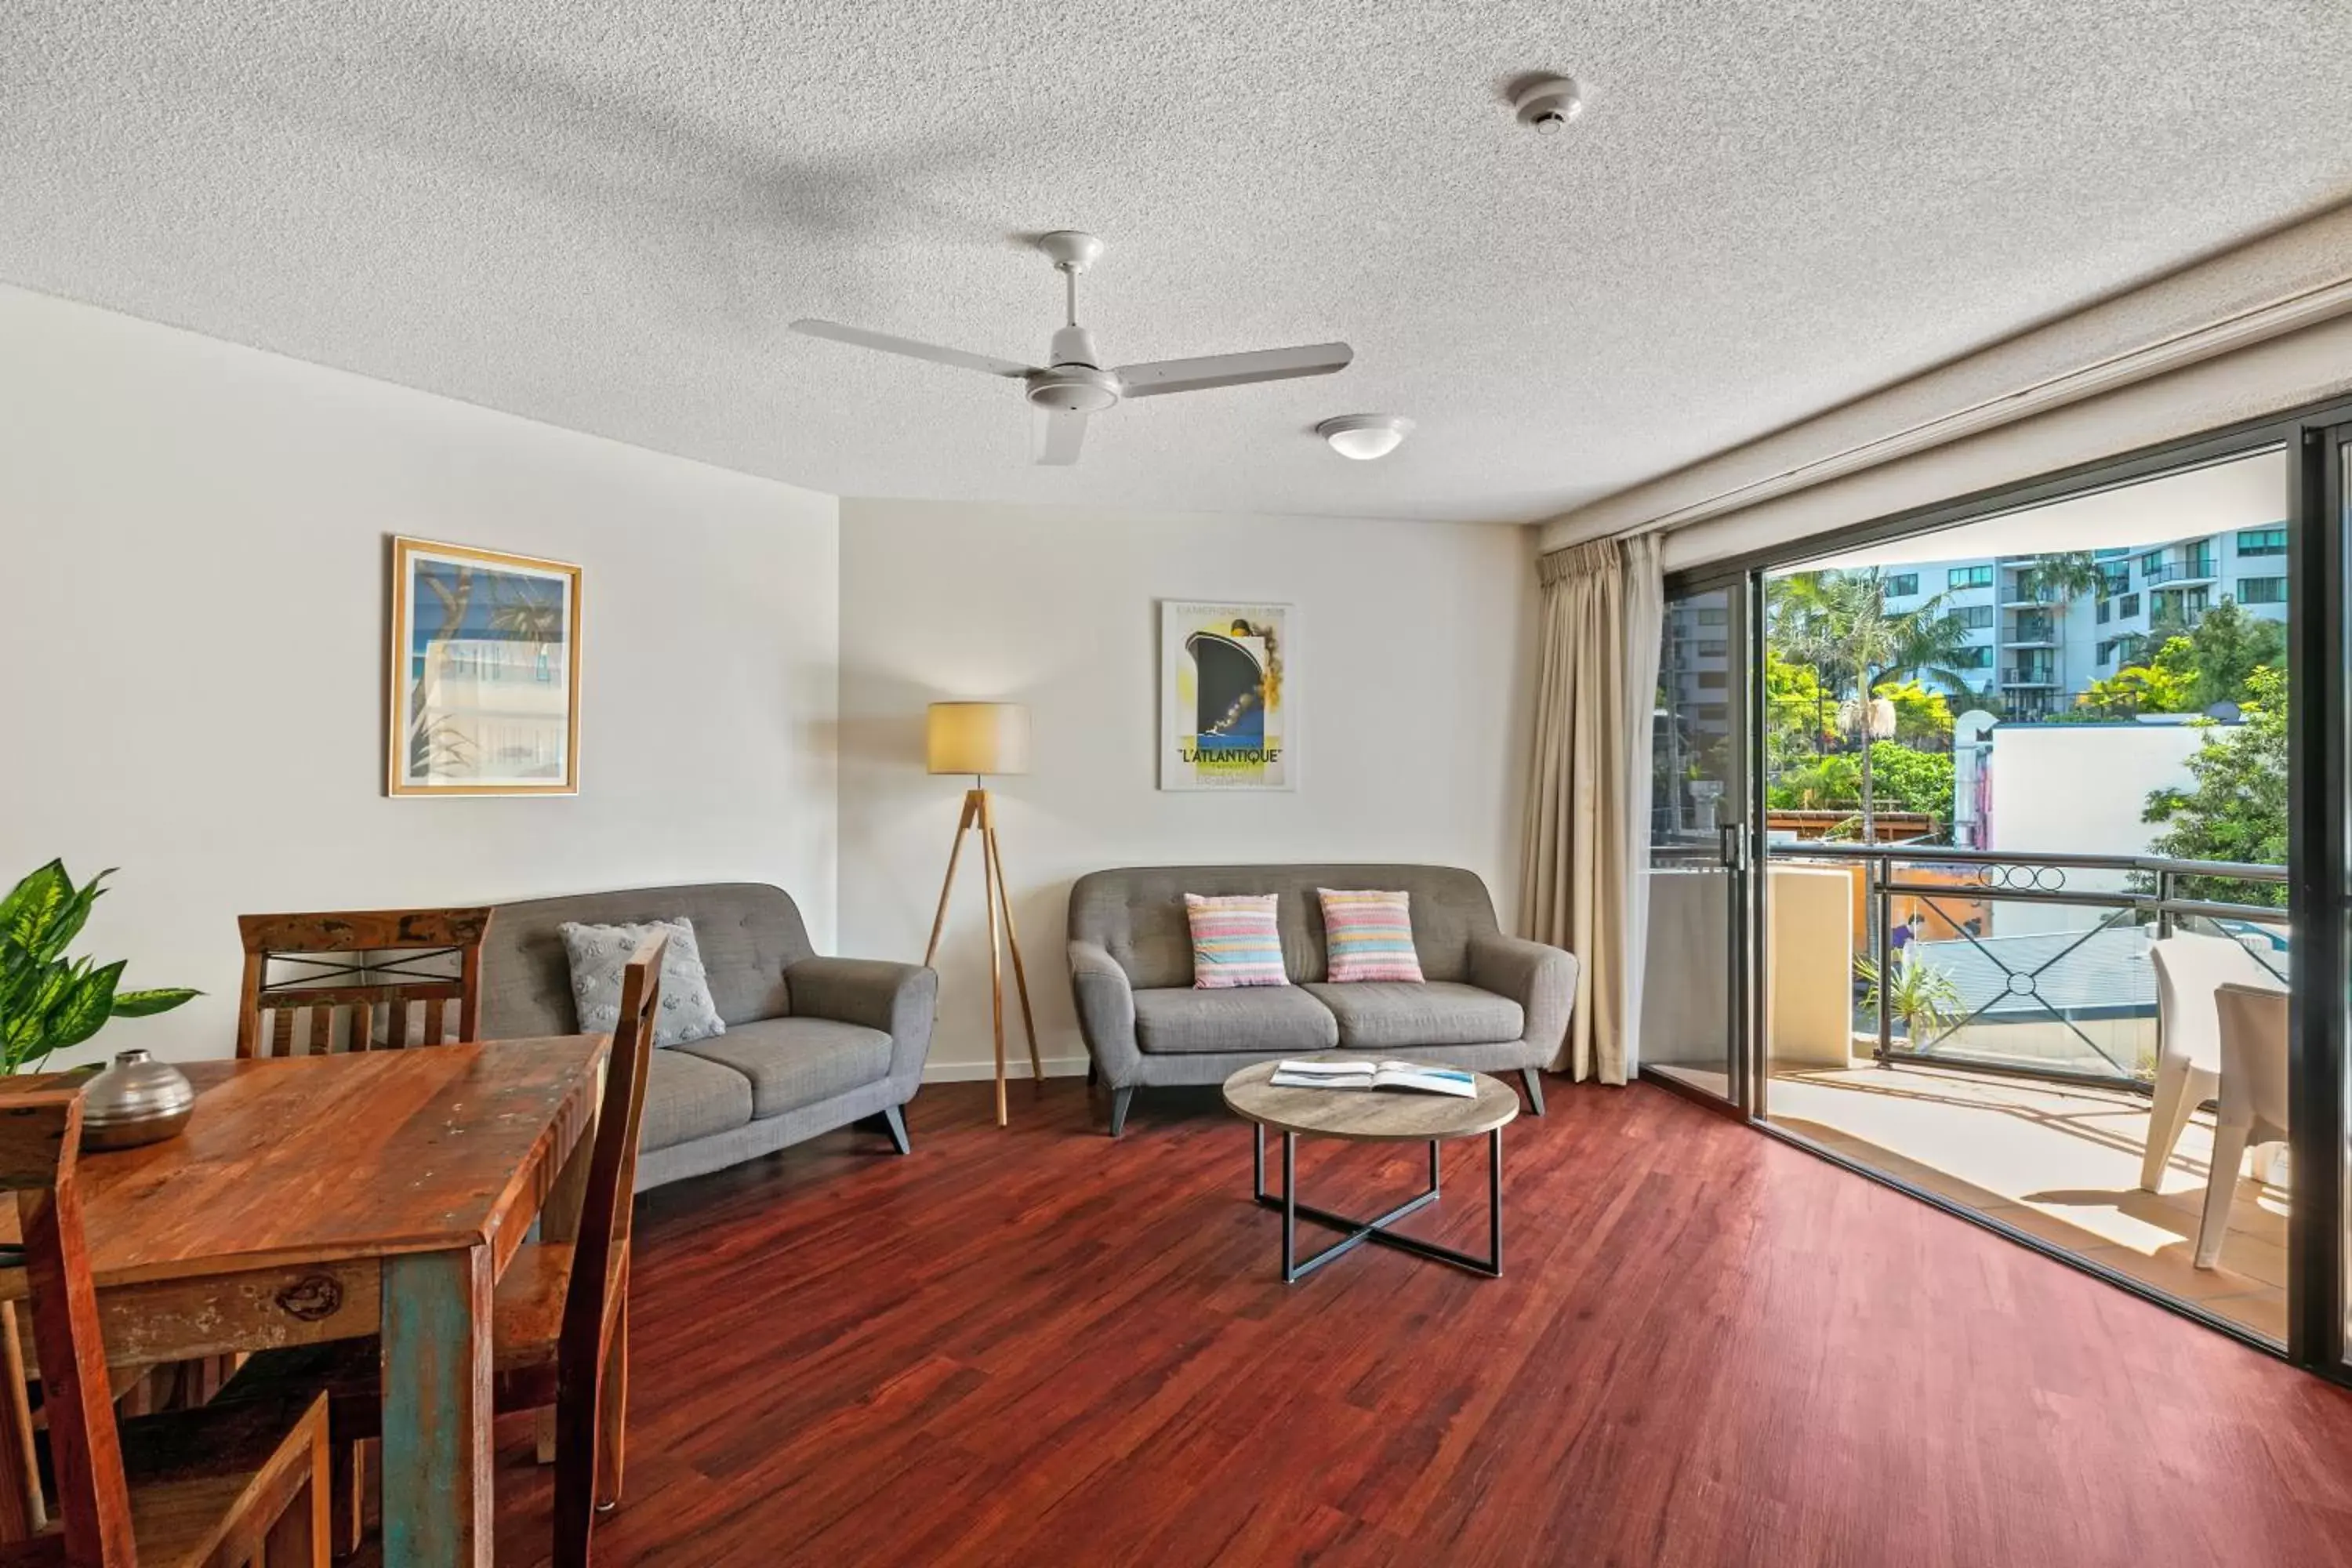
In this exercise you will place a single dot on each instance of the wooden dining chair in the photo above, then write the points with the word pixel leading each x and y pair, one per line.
pixel 560 1312
pixel 215 1486
pixel 369 968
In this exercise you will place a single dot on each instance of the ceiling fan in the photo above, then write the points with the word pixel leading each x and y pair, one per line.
pixel 1072 383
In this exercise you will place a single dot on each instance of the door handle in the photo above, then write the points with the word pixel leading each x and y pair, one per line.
pixel 1732 844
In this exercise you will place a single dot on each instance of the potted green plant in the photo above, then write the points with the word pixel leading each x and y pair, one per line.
pixel 1923 998
pixel 47 1001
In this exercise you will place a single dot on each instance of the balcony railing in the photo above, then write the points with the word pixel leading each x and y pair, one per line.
pixel 2198 570
pixel 2029 675
pixel 2033 962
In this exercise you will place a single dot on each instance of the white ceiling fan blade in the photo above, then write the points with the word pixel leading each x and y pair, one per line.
pixel 1060 433
pixel 1231 370
pixel 987 364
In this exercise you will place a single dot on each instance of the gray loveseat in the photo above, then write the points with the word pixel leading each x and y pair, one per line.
pixel 1491 1003
pixel 811 1043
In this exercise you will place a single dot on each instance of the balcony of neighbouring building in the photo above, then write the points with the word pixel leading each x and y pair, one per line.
pixel 2189 570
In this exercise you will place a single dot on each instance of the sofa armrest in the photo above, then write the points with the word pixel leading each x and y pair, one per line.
pixel 900 999
pixel 1542 980
pixel 1106 1005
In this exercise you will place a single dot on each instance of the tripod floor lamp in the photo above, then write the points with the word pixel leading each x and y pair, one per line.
pixel 980 739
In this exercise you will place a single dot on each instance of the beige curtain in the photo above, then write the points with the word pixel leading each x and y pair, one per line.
pixel 1585 880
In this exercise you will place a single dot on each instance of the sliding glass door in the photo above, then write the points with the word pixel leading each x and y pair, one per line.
pixel 2319 1072
pixel 1695 993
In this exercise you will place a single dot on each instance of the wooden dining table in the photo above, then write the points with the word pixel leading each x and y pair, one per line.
pixel 315 1198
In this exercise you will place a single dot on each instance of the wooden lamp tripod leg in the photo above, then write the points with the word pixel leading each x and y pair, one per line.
pixel 1013 940
pixel 977 813
pixel 995 960
pixel 938 921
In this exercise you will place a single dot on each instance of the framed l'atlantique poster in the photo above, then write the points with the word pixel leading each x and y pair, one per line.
pixel 484 673
pixel 1226 719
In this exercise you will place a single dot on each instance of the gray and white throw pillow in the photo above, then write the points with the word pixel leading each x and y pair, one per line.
pixel 600 953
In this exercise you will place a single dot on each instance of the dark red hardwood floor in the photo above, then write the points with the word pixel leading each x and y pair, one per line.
pixel 1038 1346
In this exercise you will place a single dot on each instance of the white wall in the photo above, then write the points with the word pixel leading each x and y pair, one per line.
pixel 2079 789
pixel 192 630
pixel 1410 669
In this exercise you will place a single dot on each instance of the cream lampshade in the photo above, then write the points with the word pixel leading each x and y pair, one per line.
pixel 979 738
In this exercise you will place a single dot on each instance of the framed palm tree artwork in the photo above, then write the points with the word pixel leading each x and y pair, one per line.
pixel 484 673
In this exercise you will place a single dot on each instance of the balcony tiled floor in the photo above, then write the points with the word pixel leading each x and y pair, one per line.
pixel 2056 1161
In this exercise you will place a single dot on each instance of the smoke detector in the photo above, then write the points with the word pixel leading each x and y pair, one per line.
pixel 1547 103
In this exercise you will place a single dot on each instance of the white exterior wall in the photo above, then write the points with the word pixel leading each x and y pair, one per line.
pixel 2079 789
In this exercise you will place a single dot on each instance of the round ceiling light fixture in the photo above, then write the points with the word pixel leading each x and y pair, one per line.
pixel 1547 103
pixel 1364 436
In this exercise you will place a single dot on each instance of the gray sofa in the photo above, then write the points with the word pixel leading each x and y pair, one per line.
pixel 1491 1003
pixel 811 1043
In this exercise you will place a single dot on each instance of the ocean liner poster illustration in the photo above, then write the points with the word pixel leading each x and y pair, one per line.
pixel 1225 717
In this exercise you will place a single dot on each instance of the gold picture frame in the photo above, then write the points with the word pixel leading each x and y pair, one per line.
pixel 485 700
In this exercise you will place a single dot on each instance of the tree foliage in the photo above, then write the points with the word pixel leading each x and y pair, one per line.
pixel 2134 690
pixel 2225 649
pixel 2235 805
pixel 1902 778
pixel 1837 623
pixel 2192 669
pixel 1798 722
pixel 1922 716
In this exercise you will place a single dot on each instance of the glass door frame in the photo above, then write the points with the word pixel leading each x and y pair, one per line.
pixel 2317 442
pixel 2319 737
pixel 1742 640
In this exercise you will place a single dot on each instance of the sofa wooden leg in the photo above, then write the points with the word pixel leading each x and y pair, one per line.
pixel 1118 1101
pixel 895 1119
pixel 1533 1078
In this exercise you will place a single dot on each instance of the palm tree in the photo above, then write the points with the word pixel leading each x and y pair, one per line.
pixel 2060 580
pixel 1839 624
pixel 521 611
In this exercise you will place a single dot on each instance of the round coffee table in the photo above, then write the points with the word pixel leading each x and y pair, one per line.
pixel 1377 1115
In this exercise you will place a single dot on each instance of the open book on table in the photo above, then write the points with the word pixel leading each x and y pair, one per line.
pixel 1417 1076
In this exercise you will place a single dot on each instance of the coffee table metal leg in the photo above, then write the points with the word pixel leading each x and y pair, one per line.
pixel 1494 1200
pixel 1290 1270
pixel 1359 1231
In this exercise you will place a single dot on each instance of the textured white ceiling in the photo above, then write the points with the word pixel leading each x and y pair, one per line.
pixel 602 213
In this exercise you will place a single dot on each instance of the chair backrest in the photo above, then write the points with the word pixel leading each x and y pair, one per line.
pixel 605 1208
pixel 40 1127
pixel 2253 1055
pixel 369 968
pixel 2188 969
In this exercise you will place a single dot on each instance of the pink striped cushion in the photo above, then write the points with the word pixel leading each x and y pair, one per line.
pixel 1369 936
pixel 1234 942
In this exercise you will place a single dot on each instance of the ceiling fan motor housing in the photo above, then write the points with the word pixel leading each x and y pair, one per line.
pixel 1074 389
pixel 1073 345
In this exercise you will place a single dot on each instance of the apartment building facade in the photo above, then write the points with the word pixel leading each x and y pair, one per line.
pixel 2032 653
